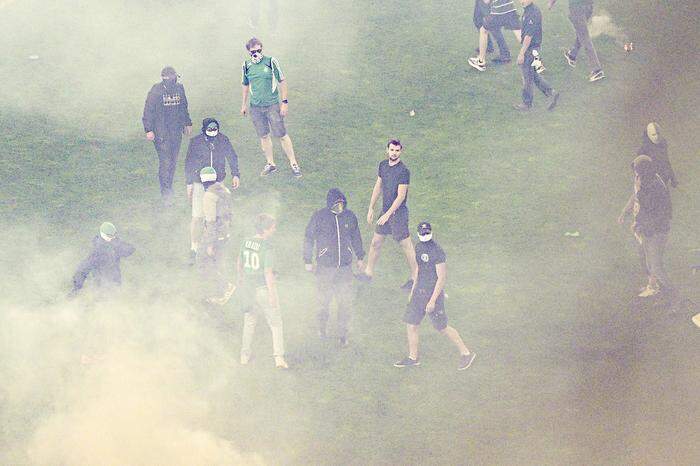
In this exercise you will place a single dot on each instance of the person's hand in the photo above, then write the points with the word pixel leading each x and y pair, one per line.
pixel 550 3
pixel 210 251
pixel 235 182
pixel 244 110
pixel 284 109
pixel 309 267
pixel 430 307
pixel 621 219
pixel 190 189
pixel 521 58
pixel 370 216
pixel 151 136
pixel 360 265
pixel 384 218
pixel 188 130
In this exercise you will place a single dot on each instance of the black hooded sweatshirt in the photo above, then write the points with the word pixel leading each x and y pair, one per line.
pixel 336 236
pixel 659 155
pixel 165 111
pixel 103 262
pixel 205 151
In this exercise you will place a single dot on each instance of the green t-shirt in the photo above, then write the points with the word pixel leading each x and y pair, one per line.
pixel 255 256
pixel 263 79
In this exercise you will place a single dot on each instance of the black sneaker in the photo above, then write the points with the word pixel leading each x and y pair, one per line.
pixel 500 60
pixel 596 76
pixel 408 285
pixel 407 362
pixel 465 361
pixel 569 59
pixel 553 99
pixel 521 107
pixel 296 171
pixel 269 168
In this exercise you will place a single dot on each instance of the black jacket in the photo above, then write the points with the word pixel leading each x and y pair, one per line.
pixel 654 211
pixel 659 155
pixel 336 237
pixel 103 262
pixel 165 111
pixel 205 151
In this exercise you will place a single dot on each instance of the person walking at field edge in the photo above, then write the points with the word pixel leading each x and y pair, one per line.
pixel 481 11
pixel 103 262
pixel 392 183
pixel 532 41
pixel 335 232
pixel 580 12
pixel 257 290
pixel 210 148
pixel 502 14
pixel 165 119
pixel 428 297
pixel 655 146
pixel 651 205
pixel 216 207
pixel 264 84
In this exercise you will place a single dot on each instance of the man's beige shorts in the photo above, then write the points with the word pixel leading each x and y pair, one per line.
pixel 197 200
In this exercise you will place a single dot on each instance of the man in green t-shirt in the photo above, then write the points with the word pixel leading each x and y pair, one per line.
pixel 264 84
pixel 257 289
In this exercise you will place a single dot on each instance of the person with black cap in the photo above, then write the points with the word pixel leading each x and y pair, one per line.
pixel 428 297
pixel 335 233
pixel 165 119
pixel 103 262
pixel 651 205
pixel 210 148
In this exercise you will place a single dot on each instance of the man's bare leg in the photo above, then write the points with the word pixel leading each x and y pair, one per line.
pixel 373 255
pixel 454 337
pixel 288 149
pixel 483 42
pixel 412 334
pixel 266 144
pixel 196 231
pixel 410 253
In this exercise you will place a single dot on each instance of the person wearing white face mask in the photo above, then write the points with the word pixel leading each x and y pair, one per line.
pixel 211 148
pixel 654 145
pixel 427 297
pixel 103 262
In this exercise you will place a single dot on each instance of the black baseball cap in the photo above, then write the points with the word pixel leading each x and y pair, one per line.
pixel 424 228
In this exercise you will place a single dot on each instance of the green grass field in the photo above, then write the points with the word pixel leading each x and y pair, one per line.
pixel 570 368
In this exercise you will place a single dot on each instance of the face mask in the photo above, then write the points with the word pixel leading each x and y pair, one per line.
pixel 653 133
pixel 106 238
pixel 169 82
pixel 212 132
pixel 338 208
pixel 256 57
pixel 425 238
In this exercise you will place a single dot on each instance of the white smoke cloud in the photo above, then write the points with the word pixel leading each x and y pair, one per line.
pixel 602 24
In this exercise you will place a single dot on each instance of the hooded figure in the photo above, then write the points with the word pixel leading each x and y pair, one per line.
pixel 654 145
pixel 104 259
pixel 335 233
pixel 210 148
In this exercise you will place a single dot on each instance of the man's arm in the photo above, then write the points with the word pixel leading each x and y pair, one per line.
pixel 551 3
pixel 245 93
pixel 271 283
pixel 309 240
pixel 190 170
pixel 84 269
pixel 284 108
pixel 526 45
pixel 186 112
pixel 149 115
pixel 123 248
pixel 233 163
pixel 626 210
pixel 376 191
pixel 441 270
pixel 400 197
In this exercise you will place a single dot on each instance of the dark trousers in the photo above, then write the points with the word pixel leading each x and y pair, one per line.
pixel 336 282
pixel 531 79
pixel 168 148
pixel 579 16
pixel 503 50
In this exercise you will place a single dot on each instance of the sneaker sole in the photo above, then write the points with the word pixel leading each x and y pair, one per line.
pixel 476 66
pixel 468 365
pixel 401 366
pixel 592 80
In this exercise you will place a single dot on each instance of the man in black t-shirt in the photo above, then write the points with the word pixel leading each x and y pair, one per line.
pixel 428 297
pixel 392 183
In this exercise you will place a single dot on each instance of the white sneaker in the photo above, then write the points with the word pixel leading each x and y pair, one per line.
pixel 648 291
pixel 280 363
pixel 477 63
pixel 245 359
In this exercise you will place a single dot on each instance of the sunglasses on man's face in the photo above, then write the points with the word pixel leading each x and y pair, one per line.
pixel 253 52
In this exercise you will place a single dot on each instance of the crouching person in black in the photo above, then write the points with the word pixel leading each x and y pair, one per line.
pixel 428 297
pixel 104 260
pixel 335 233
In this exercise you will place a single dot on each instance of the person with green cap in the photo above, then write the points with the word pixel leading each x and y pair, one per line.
pixel 216 206
pixel 103 262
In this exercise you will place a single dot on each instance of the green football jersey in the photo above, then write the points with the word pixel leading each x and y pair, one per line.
pixel 263 79
pixel 255 256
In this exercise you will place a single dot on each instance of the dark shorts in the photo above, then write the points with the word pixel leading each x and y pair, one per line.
pixel 397 226
pixel 266 118
pixel 415 310
pixel 507 21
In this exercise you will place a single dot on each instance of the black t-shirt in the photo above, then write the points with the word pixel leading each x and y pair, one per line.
pixel 532 26
pixel 392 177
pixel 428 255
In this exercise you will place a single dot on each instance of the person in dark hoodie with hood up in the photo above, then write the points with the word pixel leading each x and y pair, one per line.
pixel 165 119
pixel 211 148
pixel 103 261
pixel 335 233
pixel 654 145
pixel 651 205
